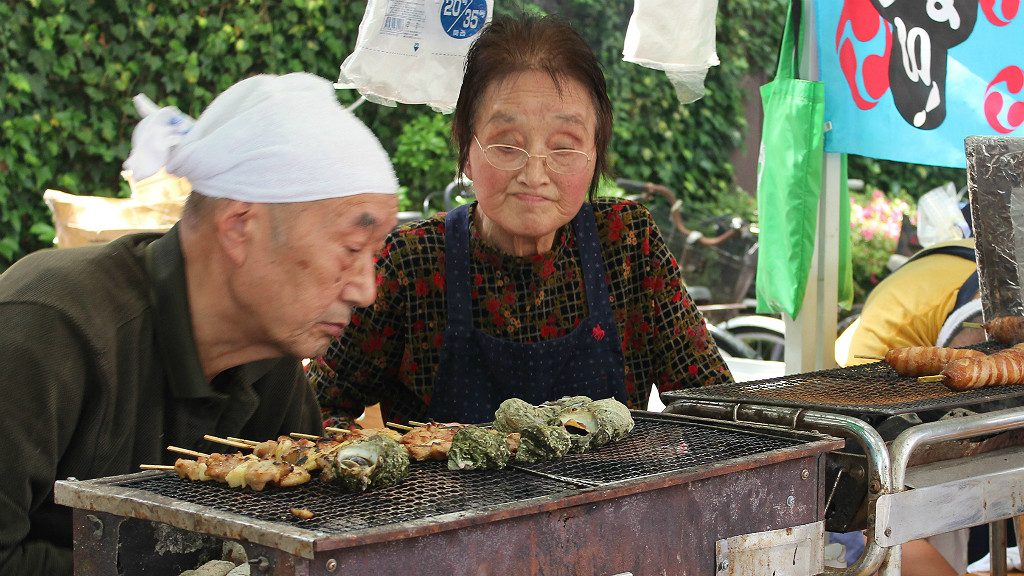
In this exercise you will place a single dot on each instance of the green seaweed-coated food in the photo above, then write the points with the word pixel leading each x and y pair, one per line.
pixel 595 424
pixel 475 448
pixel 568 402
pixel 613 418
pixel 514 414
pixel 366 463
pixel 542 442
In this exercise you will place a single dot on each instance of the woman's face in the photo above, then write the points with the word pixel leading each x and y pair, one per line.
pixel 521 210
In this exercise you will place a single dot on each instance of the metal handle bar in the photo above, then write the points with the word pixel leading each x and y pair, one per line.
pixel 877 456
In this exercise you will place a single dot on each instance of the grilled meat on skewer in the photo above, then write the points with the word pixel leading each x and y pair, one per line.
pixel 1006 329
pixel 239 471
pixel 999 368
pixel 925 360
pixel 430 442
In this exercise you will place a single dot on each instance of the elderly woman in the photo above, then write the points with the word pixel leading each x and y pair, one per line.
pixel 532 291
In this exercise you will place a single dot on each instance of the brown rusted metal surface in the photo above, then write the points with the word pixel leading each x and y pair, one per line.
pixel 669 530
pixel 110 545
pixel 866 389
pixel 964 448
pixel 659 503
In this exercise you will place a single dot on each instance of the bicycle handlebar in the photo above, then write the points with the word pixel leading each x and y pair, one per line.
pixel 650 189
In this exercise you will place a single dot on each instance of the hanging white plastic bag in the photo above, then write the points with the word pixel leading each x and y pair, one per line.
pixel 939 218
pixel 414 51
pixel 677 37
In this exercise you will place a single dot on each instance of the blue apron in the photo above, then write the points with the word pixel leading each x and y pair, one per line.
pixel 478 371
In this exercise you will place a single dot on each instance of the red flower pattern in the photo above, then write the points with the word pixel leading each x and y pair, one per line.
pixel 397 341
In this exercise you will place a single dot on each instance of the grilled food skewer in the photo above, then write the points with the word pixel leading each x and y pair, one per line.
pixel 155 467
pixel 999 368
pixel 187 452
pixel 238 471
pixel 396 426
pixel 925 360
pixel 227 442
pixel 243 440
pixel 306 436
pixel 1005 329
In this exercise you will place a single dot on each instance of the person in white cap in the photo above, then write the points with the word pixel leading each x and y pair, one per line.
pixel 110 353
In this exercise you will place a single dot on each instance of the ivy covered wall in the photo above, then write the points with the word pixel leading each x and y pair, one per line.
pixel 71 68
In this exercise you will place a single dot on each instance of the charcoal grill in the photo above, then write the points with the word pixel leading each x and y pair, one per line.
pixel 679 495
pixel 871 392
pixel 880 406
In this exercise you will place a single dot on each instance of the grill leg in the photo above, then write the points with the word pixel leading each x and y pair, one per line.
pixel 893 563
pixel 997 547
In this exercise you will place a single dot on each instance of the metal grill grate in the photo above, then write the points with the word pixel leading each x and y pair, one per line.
pixel 873 388
pixel 658 447
pixel 432 490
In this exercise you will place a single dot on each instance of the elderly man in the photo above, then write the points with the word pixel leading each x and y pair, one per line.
pixel 110 353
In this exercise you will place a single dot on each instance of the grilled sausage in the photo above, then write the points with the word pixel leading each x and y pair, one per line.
pixel 925 360
pixel 999 368
pixel 1006 329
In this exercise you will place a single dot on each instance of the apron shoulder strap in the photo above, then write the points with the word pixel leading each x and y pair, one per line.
pixel 591 262
pixel 456 262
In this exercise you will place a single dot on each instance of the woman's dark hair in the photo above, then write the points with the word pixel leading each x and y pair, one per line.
pixel 509 46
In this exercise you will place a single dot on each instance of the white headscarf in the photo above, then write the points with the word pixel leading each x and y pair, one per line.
pixel 267 139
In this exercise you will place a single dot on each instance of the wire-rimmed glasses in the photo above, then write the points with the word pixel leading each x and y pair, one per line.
pixel 506 157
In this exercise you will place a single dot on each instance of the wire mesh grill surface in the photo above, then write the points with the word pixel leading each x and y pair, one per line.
pixel 873 388
pixel 432 490
pixel 658 447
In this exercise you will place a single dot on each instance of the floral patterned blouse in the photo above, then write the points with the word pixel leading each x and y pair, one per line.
pixel 391 351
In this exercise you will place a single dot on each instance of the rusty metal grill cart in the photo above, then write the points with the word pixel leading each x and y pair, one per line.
pixel 679 495
pixel 866 400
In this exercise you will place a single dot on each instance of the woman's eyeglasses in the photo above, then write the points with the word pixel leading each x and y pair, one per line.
pixel 505 157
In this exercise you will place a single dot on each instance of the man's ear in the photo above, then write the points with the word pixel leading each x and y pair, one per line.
pixel 237 225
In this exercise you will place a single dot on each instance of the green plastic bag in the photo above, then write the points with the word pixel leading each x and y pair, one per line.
pixel 788 179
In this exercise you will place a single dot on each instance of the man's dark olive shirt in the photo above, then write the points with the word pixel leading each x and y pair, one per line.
pixel 99 373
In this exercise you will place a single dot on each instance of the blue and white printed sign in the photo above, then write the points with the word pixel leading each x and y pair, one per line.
pixel 908 80
pixel 463 18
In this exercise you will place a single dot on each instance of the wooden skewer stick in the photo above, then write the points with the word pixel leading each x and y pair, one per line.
pixel 227 442
pixel 972 324
pixel 337 430
pixel 186 452
pixel 867 357
pixel 243 441
pixel 155 467
pixel 402 427
pixel 935 378
pixel 415 423
pixel 306 436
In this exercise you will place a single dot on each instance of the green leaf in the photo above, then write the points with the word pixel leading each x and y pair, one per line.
pixel 18 81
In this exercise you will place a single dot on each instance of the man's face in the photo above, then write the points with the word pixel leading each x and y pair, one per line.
pixel 314 262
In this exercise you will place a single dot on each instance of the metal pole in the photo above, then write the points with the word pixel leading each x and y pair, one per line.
pixel 997 547
pixel 810 337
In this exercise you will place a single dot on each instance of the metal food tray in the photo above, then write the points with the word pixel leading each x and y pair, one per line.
pixel 873 388
pixel 662 450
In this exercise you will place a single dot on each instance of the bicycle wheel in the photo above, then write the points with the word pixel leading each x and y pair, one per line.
pixel 768 344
